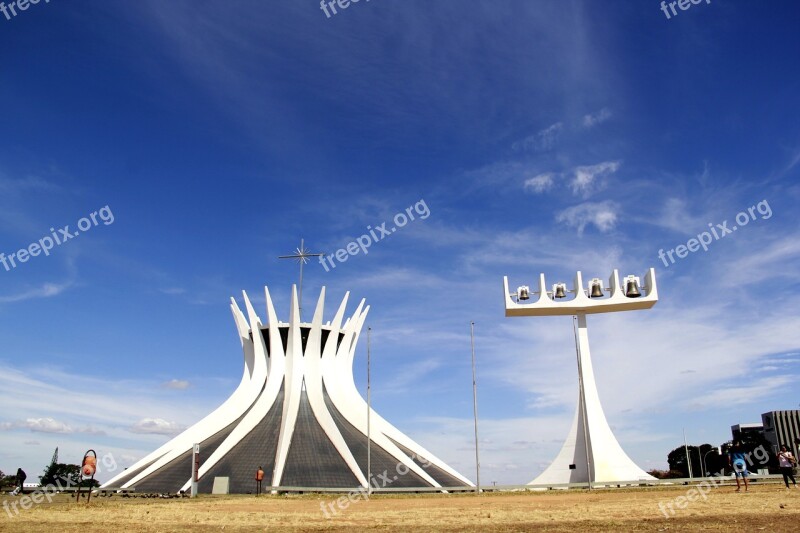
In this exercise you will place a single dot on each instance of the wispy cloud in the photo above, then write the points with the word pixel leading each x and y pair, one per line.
pixel 408 380
pixel 157 426
pixel 96 405
pixel 541 141
pixel 675 214
pixel 589 179
pixel 47 290
pixel 602 215
pixel 593 119
pixel 176 384
pixel 741 394
pixel 28 183
pixel 49 425
pixel 539 184
pixel 173 290
pixel 777 259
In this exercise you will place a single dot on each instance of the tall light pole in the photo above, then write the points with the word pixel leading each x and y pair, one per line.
pixel 475 410
pixel 591 453
pixel 301 255
pixel 686 452
pixel 369 411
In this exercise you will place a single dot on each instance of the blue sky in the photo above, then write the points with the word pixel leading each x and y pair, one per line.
pixel 547 136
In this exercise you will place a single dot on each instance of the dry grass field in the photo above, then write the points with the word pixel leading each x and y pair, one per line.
pixel 765 508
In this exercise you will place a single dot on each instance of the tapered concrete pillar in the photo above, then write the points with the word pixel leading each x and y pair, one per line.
pixel 591 452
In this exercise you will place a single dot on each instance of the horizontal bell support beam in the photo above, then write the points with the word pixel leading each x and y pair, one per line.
pixel 543 304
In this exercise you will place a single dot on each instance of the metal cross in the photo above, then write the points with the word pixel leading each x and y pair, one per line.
pixel 301 255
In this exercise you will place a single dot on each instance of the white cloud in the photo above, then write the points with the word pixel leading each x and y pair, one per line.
pixel 603 215
pixel 775 259
pixel 98 406
pixel 593 119
pixel 588 178
pixel 742 394
pixel 541 141
pixel 408 380
pixel 29 183
pixel 539 184
pixel 47 290
pixel 46 425
pixel 49 425
pixel 156 426
pixel 176 384
pixel 173 290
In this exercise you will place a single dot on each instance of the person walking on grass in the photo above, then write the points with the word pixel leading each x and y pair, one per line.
pixel 787 461
pixel 737 459
pixel 20 480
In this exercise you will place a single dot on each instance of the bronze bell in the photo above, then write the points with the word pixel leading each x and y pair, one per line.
pixel 559 293
pixel 522 293
pixel 597 291
pixel 631 290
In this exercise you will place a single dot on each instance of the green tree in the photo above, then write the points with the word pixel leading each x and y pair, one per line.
pixel 677 460
pixel 65 474
pixel 6 481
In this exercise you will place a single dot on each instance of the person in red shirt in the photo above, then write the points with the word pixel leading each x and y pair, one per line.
pixel 259 479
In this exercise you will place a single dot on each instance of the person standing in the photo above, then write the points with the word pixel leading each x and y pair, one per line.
pixel 259 479
pixel 787 461
pixel 737 459
pixel 21 477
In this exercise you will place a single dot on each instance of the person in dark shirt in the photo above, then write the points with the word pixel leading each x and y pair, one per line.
pixel 21 477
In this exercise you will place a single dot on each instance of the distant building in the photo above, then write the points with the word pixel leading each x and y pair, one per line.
pixel 747 432
pixel 782 427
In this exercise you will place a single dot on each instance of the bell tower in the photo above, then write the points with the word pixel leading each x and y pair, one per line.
pixel 591 453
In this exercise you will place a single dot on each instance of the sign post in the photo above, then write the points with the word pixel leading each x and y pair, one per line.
pixel 195 468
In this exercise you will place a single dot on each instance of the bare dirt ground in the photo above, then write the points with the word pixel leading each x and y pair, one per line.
pixel 765 508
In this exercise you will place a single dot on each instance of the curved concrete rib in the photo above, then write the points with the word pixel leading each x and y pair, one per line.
pixel 217 420
pixel 292 392
pixel 313 366
pixel 274 381
pixel 345 396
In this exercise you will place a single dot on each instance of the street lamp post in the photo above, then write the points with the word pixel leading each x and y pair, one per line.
pixel 687 455
pixel 702 464
pixel 475 409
